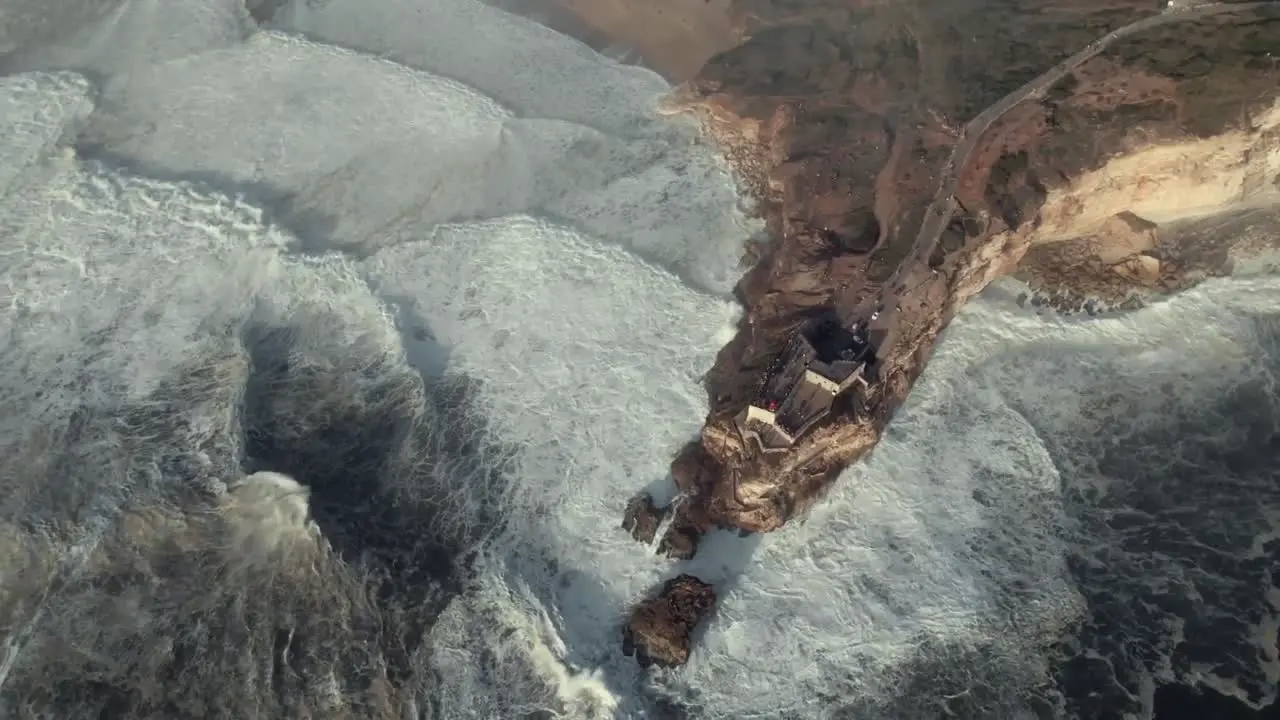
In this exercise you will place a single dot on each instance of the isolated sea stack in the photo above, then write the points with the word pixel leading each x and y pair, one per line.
pixel 659 629
pixel 907 153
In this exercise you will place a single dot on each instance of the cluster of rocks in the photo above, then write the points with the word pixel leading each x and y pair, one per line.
pixel 659 630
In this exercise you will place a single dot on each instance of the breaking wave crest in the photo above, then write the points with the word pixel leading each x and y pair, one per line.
pixel 333 353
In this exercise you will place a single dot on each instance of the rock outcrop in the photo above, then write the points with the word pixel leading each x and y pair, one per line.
pixel 642 518
pixel 659 629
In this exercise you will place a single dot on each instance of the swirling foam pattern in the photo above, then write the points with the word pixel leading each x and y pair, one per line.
pixel 334 349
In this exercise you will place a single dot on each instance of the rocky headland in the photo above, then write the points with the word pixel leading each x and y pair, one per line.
pixel 906 154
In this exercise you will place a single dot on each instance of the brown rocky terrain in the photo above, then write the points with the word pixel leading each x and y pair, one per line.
pixel 905 154
pixel 659 629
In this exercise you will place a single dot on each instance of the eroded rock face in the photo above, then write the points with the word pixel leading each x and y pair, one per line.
pixel 658 631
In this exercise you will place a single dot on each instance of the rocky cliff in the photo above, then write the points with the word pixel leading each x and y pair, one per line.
pixel 905 154
pixel 845 123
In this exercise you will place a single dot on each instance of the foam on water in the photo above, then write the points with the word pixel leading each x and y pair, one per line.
pixel 120 282
pixel 102 37
pixel 337 244
pixel 269 518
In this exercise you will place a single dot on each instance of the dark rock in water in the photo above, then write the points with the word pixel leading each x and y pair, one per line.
pixel 642 518
pixel 680 542
pixel 659 629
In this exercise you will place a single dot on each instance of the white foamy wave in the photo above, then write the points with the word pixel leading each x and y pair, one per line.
pixel 533 70
pixel 956 531
pixel 269 518
pixel 114 35
pixel 358 152
pixel 473 308
pixel 38 112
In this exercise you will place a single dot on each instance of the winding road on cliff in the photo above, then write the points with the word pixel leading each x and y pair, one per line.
pixel 941 209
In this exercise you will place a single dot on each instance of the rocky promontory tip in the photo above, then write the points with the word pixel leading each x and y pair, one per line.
pixel 659 629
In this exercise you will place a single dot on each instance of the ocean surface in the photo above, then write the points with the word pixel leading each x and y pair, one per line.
pixel 333 348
